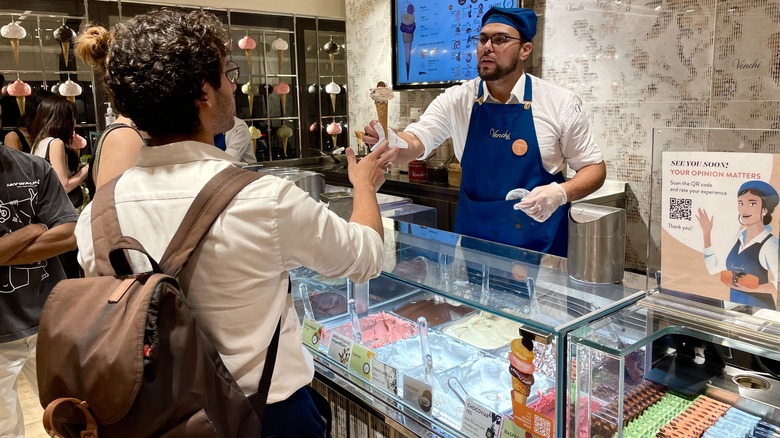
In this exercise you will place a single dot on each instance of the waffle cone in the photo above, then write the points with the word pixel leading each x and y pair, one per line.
pixel 334 137
pixel 20 103
pixel 381 112
pixel 283 100
pixel 248 53
pixel 251 103
pixel 280 58
pixel 65 50
pixel 72 98
pixel 284 145
pixel 254 148
pixel 331 57
pixel 15 47
pixel 333 102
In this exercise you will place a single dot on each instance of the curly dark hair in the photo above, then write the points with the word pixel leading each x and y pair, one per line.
pixel 156 64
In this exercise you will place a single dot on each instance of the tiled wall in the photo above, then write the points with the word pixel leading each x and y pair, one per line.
pixel 638 64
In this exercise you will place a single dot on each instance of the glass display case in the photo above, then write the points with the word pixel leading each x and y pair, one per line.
pixel 671 365
pixel 457 336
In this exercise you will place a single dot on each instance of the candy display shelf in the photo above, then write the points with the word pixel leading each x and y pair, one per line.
pixel 475 297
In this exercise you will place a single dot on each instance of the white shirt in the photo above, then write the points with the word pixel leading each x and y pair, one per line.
pixel 767 255
pixel 562 128
pixel 237 279
pixel 239 142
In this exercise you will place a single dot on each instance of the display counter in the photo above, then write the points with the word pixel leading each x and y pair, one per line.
pixel 670 365
pixel 483 306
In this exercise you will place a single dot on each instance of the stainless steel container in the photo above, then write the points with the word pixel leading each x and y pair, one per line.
pixel 339 203
pixel 597 243
pixel 311 182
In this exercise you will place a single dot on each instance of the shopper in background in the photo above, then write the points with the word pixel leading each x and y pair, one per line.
pixel 19 138
pixel 237 281
pixel 53 133
pixel 237 142
pixel 513 135
pixel 38 223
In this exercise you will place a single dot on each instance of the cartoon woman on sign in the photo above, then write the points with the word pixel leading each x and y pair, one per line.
pixel 755 253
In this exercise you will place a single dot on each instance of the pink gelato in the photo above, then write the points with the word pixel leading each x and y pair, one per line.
pixel 18 88
pixel 377 330
pixel 78 142
pixel 247 43
pixel 334 128
pixel 314 127
pixel 281 88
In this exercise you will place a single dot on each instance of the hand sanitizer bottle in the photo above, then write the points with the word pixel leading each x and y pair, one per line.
pixel 110 116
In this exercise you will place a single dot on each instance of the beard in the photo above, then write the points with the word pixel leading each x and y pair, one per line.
pixel 225 108
pixel 500 72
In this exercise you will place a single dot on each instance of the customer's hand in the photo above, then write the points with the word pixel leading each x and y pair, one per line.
pixel 542 202
pixel 81 175
pixel 372 168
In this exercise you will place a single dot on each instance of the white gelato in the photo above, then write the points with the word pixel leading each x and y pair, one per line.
pixel 332 88
pixel 13 31
pixel 381 94
pixel 70 88
pixel 279 44
pixel 484 331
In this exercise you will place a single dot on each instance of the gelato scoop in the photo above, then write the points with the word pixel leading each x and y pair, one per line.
pixel 20 90
pixel 14 32
pixel 381 95
pixel 282 89
pixel 70 90
pixel 313 89
pixel 333 89
pixel 314 127
pixel 334 129
pixel 331 48
pixel 251 90
pixel 247 44
pixel 64 35
pixel 284 133
pixel 280 46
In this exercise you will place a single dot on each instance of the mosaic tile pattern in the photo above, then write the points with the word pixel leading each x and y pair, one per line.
pixel 638 65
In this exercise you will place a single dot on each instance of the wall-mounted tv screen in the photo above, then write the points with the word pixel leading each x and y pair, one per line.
pixel 431 40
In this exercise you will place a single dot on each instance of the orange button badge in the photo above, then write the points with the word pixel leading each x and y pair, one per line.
pixel 519 147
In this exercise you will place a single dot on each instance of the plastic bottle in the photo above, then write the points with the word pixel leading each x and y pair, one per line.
pixel 110 116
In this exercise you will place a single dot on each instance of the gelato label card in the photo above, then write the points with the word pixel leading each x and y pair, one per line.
pixel 360 361
pixel 384 376
pixel 480 421
pixel 340 348
pixel 311 333
pixel 419 394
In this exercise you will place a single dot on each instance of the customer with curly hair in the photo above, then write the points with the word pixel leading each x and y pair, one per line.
pixel 170 72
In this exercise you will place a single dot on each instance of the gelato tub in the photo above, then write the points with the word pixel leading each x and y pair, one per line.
pixel 325 305
pixel 406 355
pixel 377 330
pixel 484 331
pixel 436 313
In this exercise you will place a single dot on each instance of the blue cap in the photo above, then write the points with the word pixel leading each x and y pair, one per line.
pixel 767 192
pixel 522 19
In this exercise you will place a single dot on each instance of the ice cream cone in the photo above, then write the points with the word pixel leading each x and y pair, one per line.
pixel 333 102
pixel 251 104
pixel 248 53
pixel 65 50
pixel 71 98
pixel 334 137
pixel 381 112
pixel 283 100
pixel 284 145
pixel 20 103
pixel 280 58
pixel 15 47
pixel 331 57
pixel 408 51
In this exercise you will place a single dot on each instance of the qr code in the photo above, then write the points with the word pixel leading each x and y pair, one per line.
pixel 680 208
pixel 542 426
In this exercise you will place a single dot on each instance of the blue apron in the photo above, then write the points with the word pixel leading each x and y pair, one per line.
pixel 491 169
pixel 745 263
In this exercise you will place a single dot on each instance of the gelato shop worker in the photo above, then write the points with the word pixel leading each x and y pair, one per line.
pixel 513 134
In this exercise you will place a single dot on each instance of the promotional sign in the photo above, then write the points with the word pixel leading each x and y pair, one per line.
pixel 719 226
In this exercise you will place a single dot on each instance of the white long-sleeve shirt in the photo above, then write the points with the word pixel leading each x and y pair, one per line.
pixel 238 142
pixel 562 128
pixel 237 279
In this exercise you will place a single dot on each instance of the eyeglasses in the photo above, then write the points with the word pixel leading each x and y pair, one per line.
pixel 497 40
pixel 232 72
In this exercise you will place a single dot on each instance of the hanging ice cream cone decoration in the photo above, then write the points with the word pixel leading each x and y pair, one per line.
pixel 254 134
pixel 247 44
pixel 331 48
pixel 251 90
pixel 284 133
pixel 334 129
pixel 280 46
pixel 70 90
pixel 64 35
pixel 381 95
pixel 14 33
pixel 333 89
pixel 282 89
pixel 20 91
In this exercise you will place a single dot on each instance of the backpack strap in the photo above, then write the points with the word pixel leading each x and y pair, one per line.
pixel 91 430
pixel 204 211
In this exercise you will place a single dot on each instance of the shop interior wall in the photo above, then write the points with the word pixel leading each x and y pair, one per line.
pixel 319 8
pixel 637 64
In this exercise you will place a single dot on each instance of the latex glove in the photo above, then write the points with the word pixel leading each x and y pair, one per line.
pixel 542 202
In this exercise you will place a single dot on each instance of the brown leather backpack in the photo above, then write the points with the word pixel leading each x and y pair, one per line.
pixel 121 355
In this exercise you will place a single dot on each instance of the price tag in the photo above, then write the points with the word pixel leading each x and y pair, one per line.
pixel 311 333
pixel 480 421
pixel 419 394
pixel 340 348
pixel 360 360
pixel 384 376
